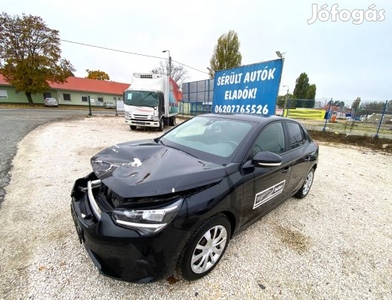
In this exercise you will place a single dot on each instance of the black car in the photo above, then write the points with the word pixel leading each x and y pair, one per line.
pixel 175 201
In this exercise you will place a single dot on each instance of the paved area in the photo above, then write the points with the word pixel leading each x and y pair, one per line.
pixel 15 124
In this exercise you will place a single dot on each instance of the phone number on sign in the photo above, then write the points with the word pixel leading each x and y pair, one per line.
pixel 244 109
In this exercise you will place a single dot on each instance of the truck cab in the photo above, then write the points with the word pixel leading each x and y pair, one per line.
pixel 151 101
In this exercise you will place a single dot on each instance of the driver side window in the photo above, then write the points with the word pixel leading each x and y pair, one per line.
pixel 270 139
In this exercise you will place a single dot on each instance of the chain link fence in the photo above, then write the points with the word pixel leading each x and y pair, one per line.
pixel 363 117
pixel 358 117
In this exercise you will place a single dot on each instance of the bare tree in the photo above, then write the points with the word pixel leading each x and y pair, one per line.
pixel 178 72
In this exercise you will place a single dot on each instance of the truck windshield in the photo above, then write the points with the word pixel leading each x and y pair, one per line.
pixel 141 98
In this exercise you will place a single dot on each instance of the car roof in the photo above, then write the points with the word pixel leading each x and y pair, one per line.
pixel 246 117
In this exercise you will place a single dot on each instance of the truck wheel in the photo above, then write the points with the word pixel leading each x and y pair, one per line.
pixel 133 127
pixel 173 121
pixel 161 125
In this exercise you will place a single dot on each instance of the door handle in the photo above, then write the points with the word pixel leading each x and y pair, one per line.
pixel 286 169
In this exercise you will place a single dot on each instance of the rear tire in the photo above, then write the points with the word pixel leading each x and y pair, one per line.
pixel 205 248
pixel 305 188
pixel 173 121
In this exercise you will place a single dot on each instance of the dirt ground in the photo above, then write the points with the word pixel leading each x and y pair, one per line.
pixel 334 244
pixel 378 144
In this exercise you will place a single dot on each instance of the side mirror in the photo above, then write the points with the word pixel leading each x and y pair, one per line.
pixel 267 159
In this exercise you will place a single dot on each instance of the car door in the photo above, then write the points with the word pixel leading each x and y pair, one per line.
pixel 298 149
pixel 266 189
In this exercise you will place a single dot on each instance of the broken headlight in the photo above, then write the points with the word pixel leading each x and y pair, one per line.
pixel 147 221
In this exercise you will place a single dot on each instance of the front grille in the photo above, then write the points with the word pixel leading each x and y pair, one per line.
pixel 141 116
pixel 111 198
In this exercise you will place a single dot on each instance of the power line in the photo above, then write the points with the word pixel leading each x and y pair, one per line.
pixel 129 52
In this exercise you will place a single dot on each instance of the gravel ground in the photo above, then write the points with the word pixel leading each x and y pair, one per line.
pixel 334 244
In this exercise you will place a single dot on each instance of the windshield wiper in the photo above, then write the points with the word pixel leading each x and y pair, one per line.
pixel 160 141
pixel 179 149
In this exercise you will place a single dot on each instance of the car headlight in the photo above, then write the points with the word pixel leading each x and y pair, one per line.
pixel 147 221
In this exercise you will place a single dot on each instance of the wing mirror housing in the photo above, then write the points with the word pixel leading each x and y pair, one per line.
pixel 267 159
pixel 264 159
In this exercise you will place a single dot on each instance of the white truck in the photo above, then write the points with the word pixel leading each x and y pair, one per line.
pixel 151 101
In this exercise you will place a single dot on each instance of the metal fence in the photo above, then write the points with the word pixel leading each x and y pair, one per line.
pixel 196 97
pixel 370 117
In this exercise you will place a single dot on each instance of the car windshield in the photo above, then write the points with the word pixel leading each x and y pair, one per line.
pixel 141 98
pixel 209 138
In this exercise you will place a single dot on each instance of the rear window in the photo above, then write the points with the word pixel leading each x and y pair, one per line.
pixel 297 135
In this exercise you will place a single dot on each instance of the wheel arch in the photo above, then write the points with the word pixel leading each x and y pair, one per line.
pixel 233 222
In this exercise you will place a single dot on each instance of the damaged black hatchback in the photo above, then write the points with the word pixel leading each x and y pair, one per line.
pixel 152 206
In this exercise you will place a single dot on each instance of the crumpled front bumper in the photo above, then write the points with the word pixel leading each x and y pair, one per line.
pixel 119 252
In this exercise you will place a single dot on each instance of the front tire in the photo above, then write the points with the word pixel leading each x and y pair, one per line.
pixel 161 125
pixel 133 127
pixel 305 188
pixel 205 248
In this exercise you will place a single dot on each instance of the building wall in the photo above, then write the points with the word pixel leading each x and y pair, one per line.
pixel 13 97
pixel 9 95
pixel 80 98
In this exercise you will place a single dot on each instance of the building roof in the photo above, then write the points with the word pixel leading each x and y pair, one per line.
pixel 3 81
pixel 85 85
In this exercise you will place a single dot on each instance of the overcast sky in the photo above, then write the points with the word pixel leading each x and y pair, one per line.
pixel 343 59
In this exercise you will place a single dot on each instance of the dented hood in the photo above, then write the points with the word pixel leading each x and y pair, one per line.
pixel 145 169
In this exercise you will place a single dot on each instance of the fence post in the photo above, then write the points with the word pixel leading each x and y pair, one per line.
pixel 89 106
pixel 382 117
pixel 288 109
pixel 326 117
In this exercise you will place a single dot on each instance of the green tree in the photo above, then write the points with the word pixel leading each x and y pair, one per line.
pixel 280 101
pixel 311 95
pixel 226 54
pixel 304 91
pixel 178 72
pixel 30 54
pixel 301 86
pixel 97 74
pixel 311 92
pixel 284 100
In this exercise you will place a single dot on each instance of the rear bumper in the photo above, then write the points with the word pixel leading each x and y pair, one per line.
pixel 123 253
